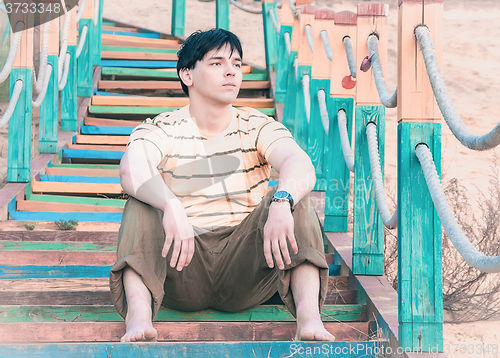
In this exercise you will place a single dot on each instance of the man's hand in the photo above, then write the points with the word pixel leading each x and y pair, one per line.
pixel 179 231
pixel 279 227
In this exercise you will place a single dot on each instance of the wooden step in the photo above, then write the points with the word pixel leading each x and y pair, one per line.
pixel 32 205
pixel 119 28
pixel 171 101
pixel 141 35
pixel 30 332
pixel 81 188
pixel 98 153
pixel 168 85
pixel 151 111
pixel 139 64
pixel 110 147
pixel 154 56
pixel 94 172
pixel 91 121
pixel 122 40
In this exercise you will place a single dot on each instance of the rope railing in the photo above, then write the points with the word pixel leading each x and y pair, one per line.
pixel 13 50
pixel 96 12
pixel 81 8
pixel 16 92
pixel 388 100
pixel 39 82
pixel 344 139
pixel 463 245
pixel 292 7
pixel 351 57
pixel 81 41
pixel 64 79
pixel 450 114
pixel 390 220
pixel 326 44
pixel 241 7
pixel 307 96
pixel 325 120
pixel 41 95
pixel 274 21
pixel 288 43
pixel 309 36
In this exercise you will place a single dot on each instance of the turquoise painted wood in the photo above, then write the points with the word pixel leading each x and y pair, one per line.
pixel 97 59
pixel 92 154
pixel 139 64
pixel 106 130
pixel 85 68
pixel 55 216
pixel 19 148
pixel 337 173
pixel 301 126
pixel 368 230
pixel 284 64
pixel 49 111
pixel 270 36
pixel 69 99
pixel 317 137
pixel 60 271
pixel 291 95
pixel 222 14
pixel 420 286
pixel 148 35
pixel 196 349
pixel 178 17
pixel 79 179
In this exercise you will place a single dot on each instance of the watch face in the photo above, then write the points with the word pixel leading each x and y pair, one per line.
pixel 281 194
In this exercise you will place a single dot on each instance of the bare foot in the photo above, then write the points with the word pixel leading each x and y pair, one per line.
pixel 313 330
pixel 139 327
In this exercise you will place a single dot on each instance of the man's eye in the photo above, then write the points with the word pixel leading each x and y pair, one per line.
pixel 238 65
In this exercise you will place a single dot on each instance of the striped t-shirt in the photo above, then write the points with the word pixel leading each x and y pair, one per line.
pixel 219 178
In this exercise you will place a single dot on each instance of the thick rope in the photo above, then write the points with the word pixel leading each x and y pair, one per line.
pixel 455 233
pixel 64 44
pixel 296 68
pixel 38 83
pixel 12 103
pixel 277 4
pixel 388 100
pixel 326 44
pixel 241 7
pixel 453 120
pixel 323 110
pixel 96 12
pixel 274 21
pixel 292 7
pixel 64 78
pixel 309 37
pixel 307 96
pixel 80 10
pixel 288 43
pixel 81 41
pixel 351 57
pixel 344 139
pixel 390 221
pixel 13 50
pixel 46 81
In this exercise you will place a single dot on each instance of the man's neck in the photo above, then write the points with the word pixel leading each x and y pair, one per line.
pixel 210 119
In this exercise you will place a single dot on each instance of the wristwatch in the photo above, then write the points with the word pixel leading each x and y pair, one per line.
pixel 283 196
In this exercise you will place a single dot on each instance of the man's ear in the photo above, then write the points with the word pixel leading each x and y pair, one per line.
pixel 185 76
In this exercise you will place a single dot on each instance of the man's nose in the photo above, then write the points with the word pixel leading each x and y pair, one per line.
pixel 230 71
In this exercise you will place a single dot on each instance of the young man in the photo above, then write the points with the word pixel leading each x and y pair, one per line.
pixel 199 230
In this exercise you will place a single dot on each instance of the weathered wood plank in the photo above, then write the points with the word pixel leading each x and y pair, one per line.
pixel 171 331
pixel 147 110
pixel 139 64
pixel 45 297
pixel 109 130
pixel 54 258
pixel 94 172
pixel 168 85
pixel 137 42
pixel 124 55
pixel 137 49
pixel 171 101
pixel 92 154
pixel 109 140
pixel 278 313
pixel 55 246
pixel 33 271
pixel 22 234
pixel 56 284
pixel 91 121
pixel 56 216
pixel 83 188
pixel 75 200
pixel 119 28
pixel 98 147
pixel 33 205
pixel 141 35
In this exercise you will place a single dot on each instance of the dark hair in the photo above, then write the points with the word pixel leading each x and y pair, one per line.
pixel 199 43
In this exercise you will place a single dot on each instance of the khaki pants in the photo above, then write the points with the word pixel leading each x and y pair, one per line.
pixel 228 271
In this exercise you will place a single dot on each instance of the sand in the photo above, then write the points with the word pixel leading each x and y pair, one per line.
pixel 472 73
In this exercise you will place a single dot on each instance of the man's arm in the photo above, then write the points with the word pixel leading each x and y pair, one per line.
pixel 141 179
pixel 296 176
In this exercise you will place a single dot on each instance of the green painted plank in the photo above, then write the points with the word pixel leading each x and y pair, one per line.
pixel 270 36
pixel 290 94
pixel 60 271
pixel 370 349
pixel 141 72
pixel 84 61
pixel 69 99
pixel 129 110
pixel 56 246
pixel 277 313
pixel 284 64
pixel 49 111
pixel 301 130
pixel 178 17
pixel 222 14
pixel 137 49
pixel 76 200
pixel 87 166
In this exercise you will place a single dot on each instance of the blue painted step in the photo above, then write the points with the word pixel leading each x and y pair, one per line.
pixel 138 64
pixel 79 179
pixel 92 154
pixel 55 216
pixel 151 35
pixel 60 271
pixel 105 130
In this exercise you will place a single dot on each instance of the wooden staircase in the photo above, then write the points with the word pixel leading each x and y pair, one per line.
pixel 54 291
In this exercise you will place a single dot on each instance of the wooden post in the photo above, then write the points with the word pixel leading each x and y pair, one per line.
pixel 368 229
pixel 19 149
pixel 178 17
pixel 270 35
pixel 337 172
pixel 305 60
pixel 320 80
pixel 96 49
pixel 222 14
pixel 85 67
pixel 49 109
pixel 420 290
pixel 285 61
pixel 69 100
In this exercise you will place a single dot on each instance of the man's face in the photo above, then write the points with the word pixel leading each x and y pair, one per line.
pixel 217 78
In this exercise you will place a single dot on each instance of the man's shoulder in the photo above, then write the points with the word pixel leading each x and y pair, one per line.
pixel 256 117
pixel 174 118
